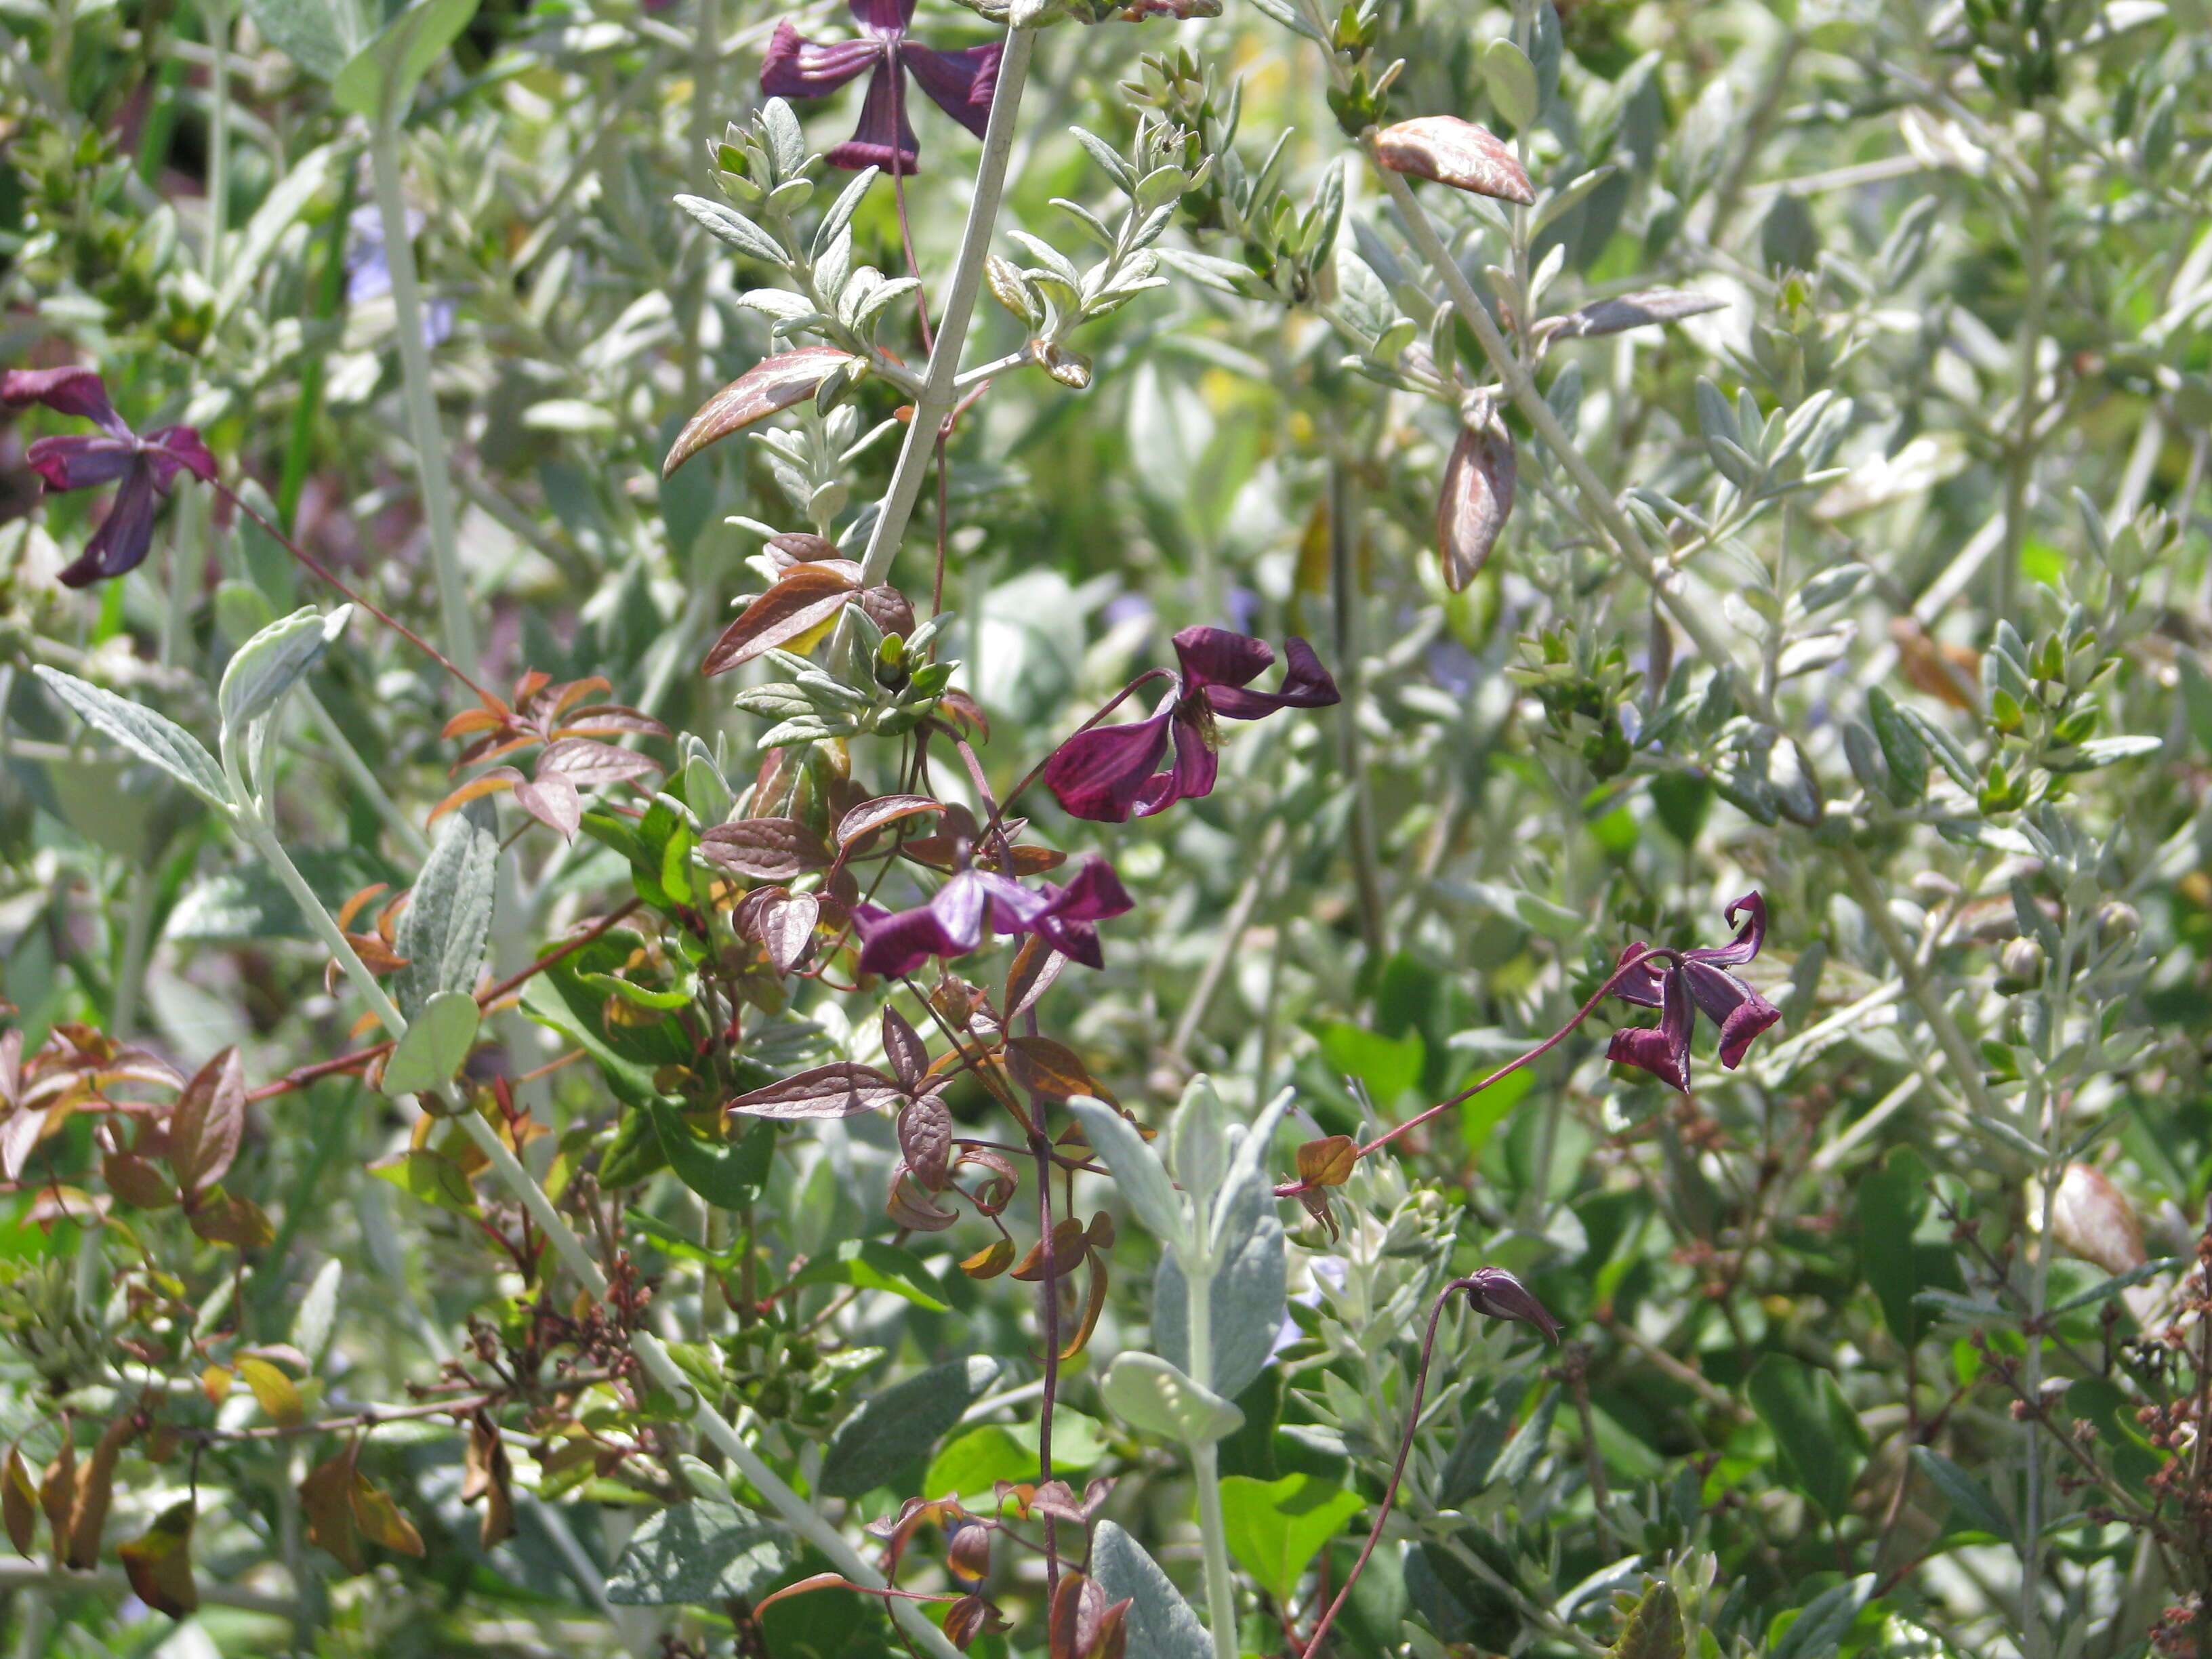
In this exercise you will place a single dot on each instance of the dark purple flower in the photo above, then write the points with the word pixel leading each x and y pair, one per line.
pixel 140 467
pixel 1108 773
pixel 960 82
pixel 1696 982
pixel 1494 1291
pixel 978 901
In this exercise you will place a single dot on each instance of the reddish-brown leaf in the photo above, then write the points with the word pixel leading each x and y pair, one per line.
pixel 1455 153
pixel 908 1054
pixel 772 384
pixel 912 1208
pixel 965 711
pixel 135 1181
pixel 1047 1069
pixel 785 922
pixel 1068 1245
pixel 19 1503
pixel 206 1124
pixel 888 609
pixel 1036 966
pixel 991 1261
pixel 160 1565
pixel 554 802
pixel 490 1476
pixel 1475 501
pixel 841 1090
pixel 609 720
pixel 925 1135
pixel 379 1519
pixel 484 783
pixel 969 1617
pixel 587 762
pixel 326 1499
pixel 1327 1163
pixel 799 602
pixel 872 814
pixel 766 849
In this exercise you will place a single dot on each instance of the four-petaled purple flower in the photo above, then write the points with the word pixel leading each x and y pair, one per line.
pixel 1107 773
pixel 976 901
pixel 960 82
pixel 1696 982
pixel 146 466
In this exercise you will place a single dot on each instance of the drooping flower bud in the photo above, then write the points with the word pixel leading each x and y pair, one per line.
pixel 1494 1291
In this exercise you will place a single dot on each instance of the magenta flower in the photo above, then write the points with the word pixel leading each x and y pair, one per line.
pixel 1107 773
pixel 1695 982
pixel 960 82
pixel 955 919
pixel 144 466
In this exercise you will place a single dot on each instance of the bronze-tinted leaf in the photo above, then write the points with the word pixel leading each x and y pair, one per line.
pixel 841 1090
pixel 925 1135
pixel 223 1217
pixel 1455 153
pixel 1076 1623
pixel 135 1181
pixel 1047 1069
pixel 800 602
pixel 801 547
pixel 609 721
pixel 1036 966
pixel 1476 499
pixel 379 1519
pixel 1645 309
pixel 19 1503
pixel 888 609
pixel 991 1261
pixel 766 849
pixel 587 762
pixel 787 928
pixel 96 1492
pixel 1069 1242
pixel 911 1207
pixel 1327 1163
pixel 965 711
pixel 205 1126
pixel 773 383
pixel 872 814
pixel 57 1493
pixel 554 802
pixel 909 1054
pixel 484 783
pixel 160 1565
pixel 490 1476
pixel 2091 1219
pixel 326 1499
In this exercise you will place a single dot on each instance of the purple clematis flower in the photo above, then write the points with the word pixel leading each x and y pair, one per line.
pixel 143 466
pixel 976 901
pixel 1679 989
pixel 1107 773
pixel 960 82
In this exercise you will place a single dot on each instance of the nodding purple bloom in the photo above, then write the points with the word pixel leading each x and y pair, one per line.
pixel 959 82
pixel 1696 982
pixel 1494 1291
pixel 976 901
pixel 142 467
pixel 1108 773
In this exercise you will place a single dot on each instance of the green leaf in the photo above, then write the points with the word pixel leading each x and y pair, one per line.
pixel 380 76
pixel 703 1553
pixel 431 1176
pixel 873 1264
pixel 899 1425
pixel 149 736
pixel 728 1174
pixel 1654 1630
pixel 1480 1114
pixel 1823 1445
pixel 1161 1622
pixel 1390 1066
pixel 1896 1266
pixel 1158 1399
pixel 318 35
pixel 1970 1500
pixel 1276 1527
pixel 1137 1171
pixel 971 1465
pixel 448 917
pixel 438 1041
pixel 1511 80
pixel 1819 1630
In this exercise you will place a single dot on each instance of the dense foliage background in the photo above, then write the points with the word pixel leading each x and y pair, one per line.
pixel 1845 373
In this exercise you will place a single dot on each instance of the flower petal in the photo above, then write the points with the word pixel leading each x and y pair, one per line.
pixel 172 447
pixel 797 67
pixel 78 460
pixel 1092 894
pixel 1646 986
pixel 1662 1049
pixel 894 943
pixel 1217 657
pixel 1011 908
pixel 1196 767
pixel 1306 684
pixel 885 16
pixel 1740 1011
pixel 1748 938
pixel 120 542
pixel 958 83
pixel 74 390
pixel 1099 773
pixel 884 137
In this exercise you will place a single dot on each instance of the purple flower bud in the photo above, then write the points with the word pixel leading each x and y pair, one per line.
pixel 1494 1291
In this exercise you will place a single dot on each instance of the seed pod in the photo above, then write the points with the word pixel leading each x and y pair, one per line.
pixel 2091 1220
pixel 1476 499
pixel 1455 153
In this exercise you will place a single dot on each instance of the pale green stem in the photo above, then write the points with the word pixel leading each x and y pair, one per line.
pixel 1965 1064
pixel 507 1170
pixel 130 975
pixel 430 453
pixel 938 395
pixel 359 774
pixel 1204 1459
pixel 218 14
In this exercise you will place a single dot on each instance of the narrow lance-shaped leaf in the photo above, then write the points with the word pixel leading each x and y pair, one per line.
pixel 1475 501
pixel 1457 152
pixel 149 736
pixel 772 384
